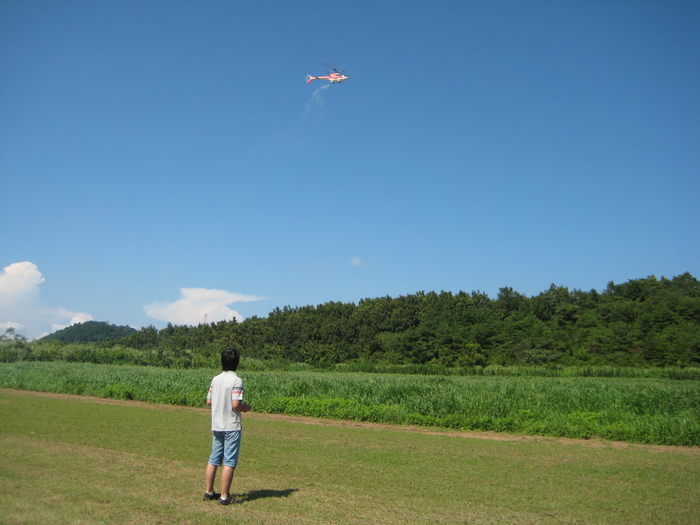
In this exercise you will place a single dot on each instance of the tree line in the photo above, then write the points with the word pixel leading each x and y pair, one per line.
pixel 90 332
pixel 643 322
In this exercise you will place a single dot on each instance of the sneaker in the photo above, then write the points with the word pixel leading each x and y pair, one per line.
pixel 227 501
pixel 209 497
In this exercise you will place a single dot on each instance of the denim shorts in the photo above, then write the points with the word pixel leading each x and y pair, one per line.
pixel 225 447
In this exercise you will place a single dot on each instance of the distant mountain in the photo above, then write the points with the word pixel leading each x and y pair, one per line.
pixel 90 332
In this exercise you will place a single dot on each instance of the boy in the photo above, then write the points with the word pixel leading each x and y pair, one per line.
pixel 225 398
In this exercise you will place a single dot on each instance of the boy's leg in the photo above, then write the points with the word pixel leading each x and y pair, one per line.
pixel 232 443
pixel 216 458
pixel 211 476
pixel 226 480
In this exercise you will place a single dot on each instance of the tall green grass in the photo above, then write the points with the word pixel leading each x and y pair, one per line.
pixel 653 411
pixel 688 373
pixel 47 351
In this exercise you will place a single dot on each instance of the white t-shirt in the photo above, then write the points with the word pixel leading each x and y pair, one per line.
pixel 225 388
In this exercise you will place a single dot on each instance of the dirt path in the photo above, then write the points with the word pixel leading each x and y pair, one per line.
pixel 493 436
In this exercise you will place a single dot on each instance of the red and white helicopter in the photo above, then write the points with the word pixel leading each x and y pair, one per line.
pixel 336 77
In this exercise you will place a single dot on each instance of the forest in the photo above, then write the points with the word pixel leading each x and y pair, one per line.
pixel 643 322
pixel 90 332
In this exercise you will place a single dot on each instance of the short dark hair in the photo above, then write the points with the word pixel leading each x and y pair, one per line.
pixel 230 359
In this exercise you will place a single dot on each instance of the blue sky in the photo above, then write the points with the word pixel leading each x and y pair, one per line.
pixel 165 161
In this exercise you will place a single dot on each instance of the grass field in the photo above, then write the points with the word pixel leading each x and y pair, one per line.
pixel 81 460
pixel 638 410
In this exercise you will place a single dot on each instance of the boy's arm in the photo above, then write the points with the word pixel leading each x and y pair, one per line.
pixel 240 405
pixel 209 395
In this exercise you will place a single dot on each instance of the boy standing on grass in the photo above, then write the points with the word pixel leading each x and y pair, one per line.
pixel 225 398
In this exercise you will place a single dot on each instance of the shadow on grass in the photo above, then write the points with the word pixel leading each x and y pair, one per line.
pixel 259 494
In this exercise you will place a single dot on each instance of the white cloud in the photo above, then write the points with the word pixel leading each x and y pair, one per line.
pixel 197 305
pixel 21 306
pixel 356 262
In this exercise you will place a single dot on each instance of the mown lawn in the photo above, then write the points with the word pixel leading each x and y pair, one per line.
pixel 68 459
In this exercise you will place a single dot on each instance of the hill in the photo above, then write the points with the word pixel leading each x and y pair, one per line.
pixel 90 332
